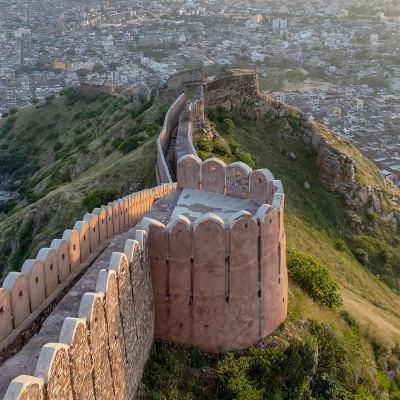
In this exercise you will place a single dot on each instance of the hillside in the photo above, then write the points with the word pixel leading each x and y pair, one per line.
pixel 53 155
pixel 363 257
pixel 76 144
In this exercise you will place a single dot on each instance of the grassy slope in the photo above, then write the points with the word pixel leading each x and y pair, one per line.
pixel 315 222
pixel 87 156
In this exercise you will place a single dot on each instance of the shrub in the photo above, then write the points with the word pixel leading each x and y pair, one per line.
pixel 348 318
pixel 151 128
pixel 13 111
pixel 229 127
pixel 219 149
pixel 117 142
pixel 8 206
pixel 8 125
pixel 131 143
pixel 340 245
pixel 313 278
pixel 162 112
pixel 371 216
pixel 24 242
pixel 135 112
pixel 98 198
pixel 294 120
pixel 246 158
pixel 362 257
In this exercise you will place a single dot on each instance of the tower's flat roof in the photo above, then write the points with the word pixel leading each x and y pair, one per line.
pixel 194 203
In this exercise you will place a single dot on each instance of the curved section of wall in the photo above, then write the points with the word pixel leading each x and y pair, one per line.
pixel 218 286
pixel 101 354
pixel 42 280
pixel 170 122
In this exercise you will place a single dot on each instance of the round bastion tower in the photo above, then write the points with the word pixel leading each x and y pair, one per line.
pixel 218 267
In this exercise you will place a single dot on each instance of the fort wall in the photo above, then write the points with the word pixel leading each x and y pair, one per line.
pixel 171 121
pixel 40 282
pixel 101 353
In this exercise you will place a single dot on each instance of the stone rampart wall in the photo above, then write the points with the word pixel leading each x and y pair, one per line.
pixel 190 77
pixel 102 353
pixel 196 110
pixel 24 292
pixel 219 286
pixel 171 120
pixel 236 179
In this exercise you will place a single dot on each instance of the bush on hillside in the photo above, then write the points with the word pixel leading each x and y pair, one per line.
pixel 98 198
pixel 131 143
pixel 313 278
pixel 24 242
pixel 135 112
pixel 294 120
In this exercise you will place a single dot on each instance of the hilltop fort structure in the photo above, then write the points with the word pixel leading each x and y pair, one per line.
pixel 198 260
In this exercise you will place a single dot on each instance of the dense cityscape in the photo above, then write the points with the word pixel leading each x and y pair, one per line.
pixel 337 62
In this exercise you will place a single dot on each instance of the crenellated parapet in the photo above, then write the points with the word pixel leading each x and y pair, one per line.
pixel 235 180
pixel 219 266
pixel 27 293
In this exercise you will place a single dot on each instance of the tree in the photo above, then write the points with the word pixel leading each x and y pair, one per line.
pixel 35 101
pixel 71 52
pixel 82 72
pixel 99 68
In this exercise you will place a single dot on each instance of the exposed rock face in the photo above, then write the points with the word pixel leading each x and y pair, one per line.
pixel 336 167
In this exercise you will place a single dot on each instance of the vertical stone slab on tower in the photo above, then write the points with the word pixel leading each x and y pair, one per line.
pixel 72 237
pixel 121 213
pixel 84 242
pixel 102 216
pixel 135 211
pixel 279 203
pixel 126 213
pixel 34 270
pixel 130 215
pixel 73 334
pixel 94 237
pixel 180 281
pixel 18 288
pixel 25 387
pixel 92 310
pixel 6 326
pixel 188 172
pixel 283 273
pixel 115 212
pixel 62 258
pixel 213 175
pixel 159 276
pixel 209 319
pixel 107 284
pixel 238 180
pixel 261 186
pixel 119 264
pixel 271 299
pixel 49 258
pixel 110 221
pixel 53 368
pixel 243 328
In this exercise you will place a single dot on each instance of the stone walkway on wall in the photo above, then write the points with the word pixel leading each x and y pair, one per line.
pixel 24 362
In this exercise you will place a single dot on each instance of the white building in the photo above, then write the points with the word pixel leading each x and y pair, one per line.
pixel 279 23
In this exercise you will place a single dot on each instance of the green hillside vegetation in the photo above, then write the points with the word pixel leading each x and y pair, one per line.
pixel 342 334
pixel 63 150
